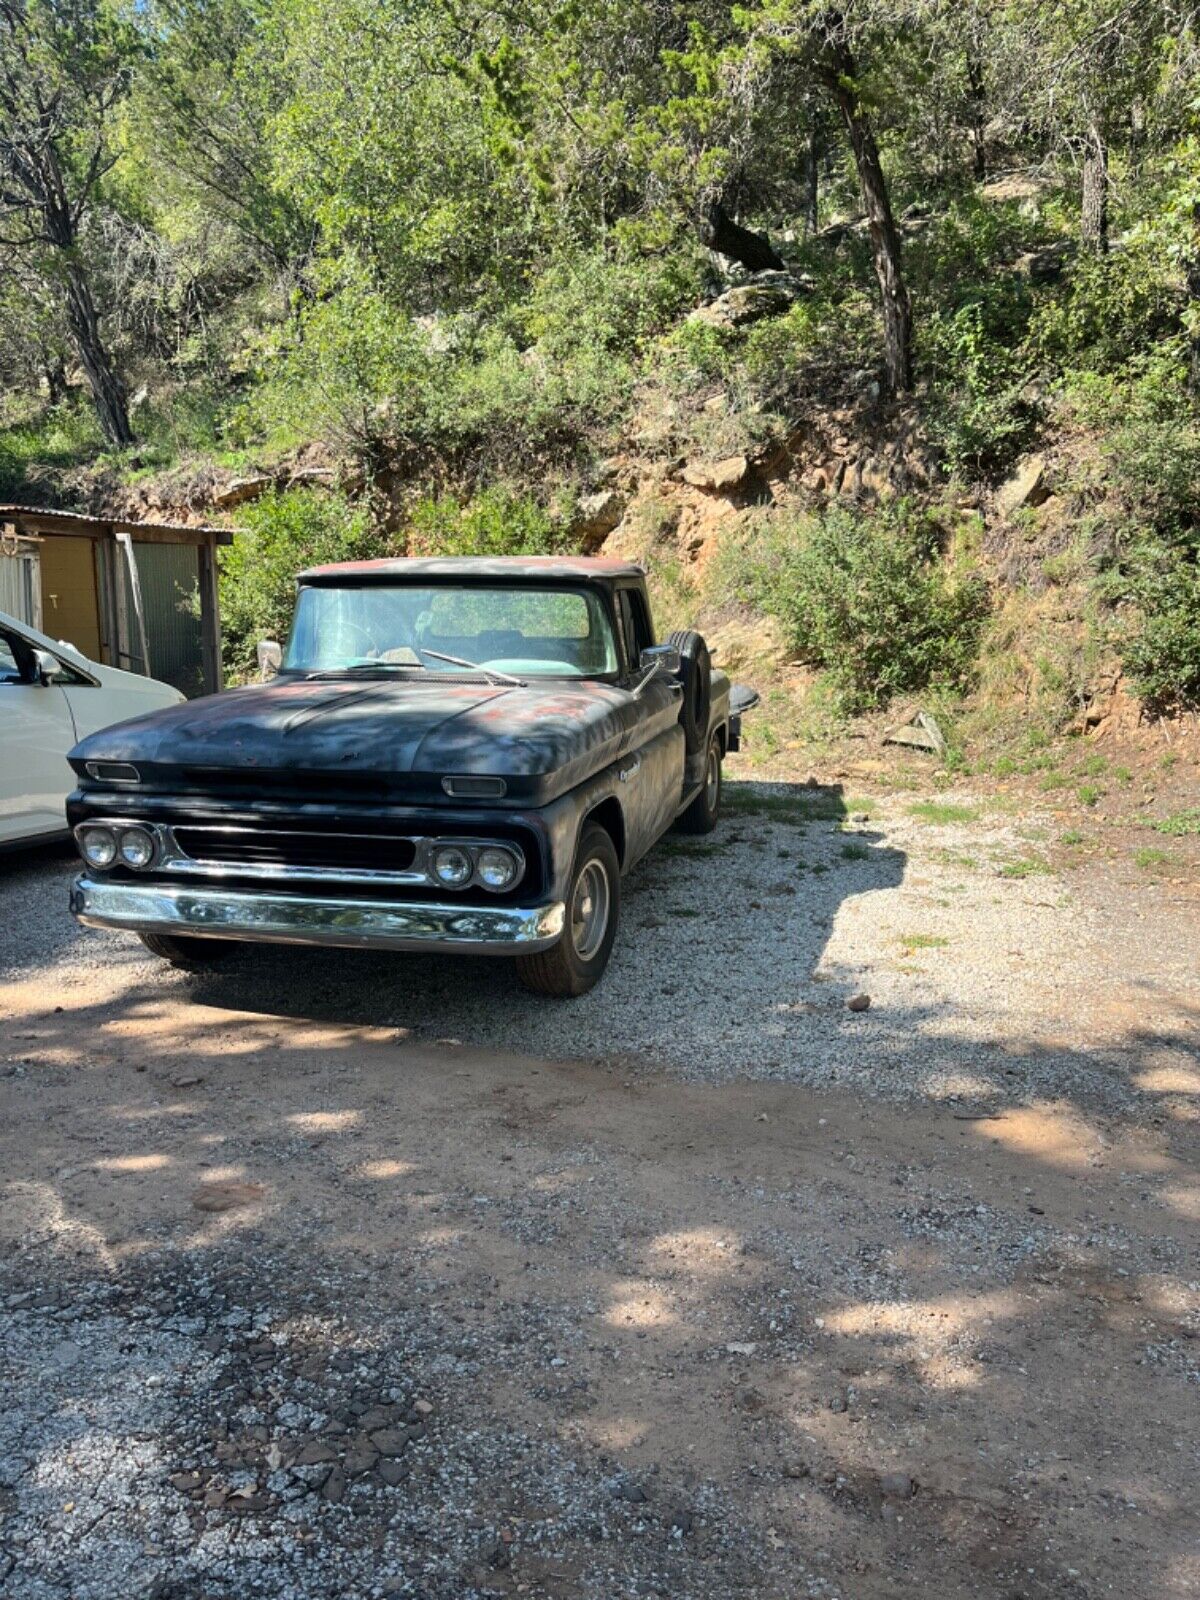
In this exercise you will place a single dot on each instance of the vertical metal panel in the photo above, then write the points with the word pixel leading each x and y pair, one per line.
pixel 132 571
pixel 169 577
pixel 210 619
pixel 19 593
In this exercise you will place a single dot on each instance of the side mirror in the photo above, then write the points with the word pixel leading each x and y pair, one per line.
pixel 270 658
pixel 661 658
pixel 48 667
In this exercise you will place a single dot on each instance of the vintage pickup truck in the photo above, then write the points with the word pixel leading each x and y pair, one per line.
pixel 455 755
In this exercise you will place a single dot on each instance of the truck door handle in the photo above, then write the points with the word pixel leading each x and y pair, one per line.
pixel 627 772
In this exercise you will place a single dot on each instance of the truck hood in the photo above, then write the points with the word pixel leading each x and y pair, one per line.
pixel 542 739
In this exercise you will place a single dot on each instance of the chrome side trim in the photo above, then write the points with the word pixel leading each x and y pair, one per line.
pixel 308 919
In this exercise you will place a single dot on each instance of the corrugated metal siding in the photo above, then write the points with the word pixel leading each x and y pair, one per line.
pixel 170 579
pixel 19 588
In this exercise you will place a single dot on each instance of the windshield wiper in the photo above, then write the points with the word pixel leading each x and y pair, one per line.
pixel 474 666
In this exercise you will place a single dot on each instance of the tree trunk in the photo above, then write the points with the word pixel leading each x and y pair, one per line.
pixel 885 238
pixel 977 103
pixel 108 392
pixel 1193 294
pixel 54 370
pixel 721 233
pixel 812 181
pixel 1094 219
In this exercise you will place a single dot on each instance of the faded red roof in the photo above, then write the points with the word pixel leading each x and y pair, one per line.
pixel 579 567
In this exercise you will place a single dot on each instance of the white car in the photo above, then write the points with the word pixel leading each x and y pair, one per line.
pixel 50 697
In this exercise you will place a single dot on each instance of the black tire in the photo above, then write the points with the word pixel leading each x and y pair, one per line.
pixel 697 687
pixel 189 955
pixel 701 816
pixel 573 965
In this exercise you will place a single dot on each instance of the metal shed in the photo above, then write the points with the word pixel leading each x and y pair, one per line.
pixel 137 595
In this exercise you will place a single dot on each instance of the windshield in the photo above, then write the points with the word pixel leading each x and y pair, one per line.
pixel 551 633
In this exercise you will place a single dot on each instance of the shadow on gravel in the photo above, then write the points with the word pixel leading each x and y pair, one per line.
pixel 48 868
pixel 718 960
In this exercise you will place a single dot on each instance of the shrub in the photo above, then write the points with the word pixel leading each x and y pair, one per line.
pixel 351 369
pixel 50 440
pixel 280 535
pixel 867 598
pixel 1160 646
pixel 495 523
pixel 980 415
pixel 1150 463
pixel 1107 308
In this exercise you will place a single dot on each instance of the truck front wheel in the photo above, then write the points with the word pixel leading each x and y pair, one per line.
pixel 573 965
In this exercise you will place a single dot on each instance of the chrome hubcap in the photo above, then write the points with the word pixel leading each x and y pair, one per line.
pixel 712 777
pixel 589 910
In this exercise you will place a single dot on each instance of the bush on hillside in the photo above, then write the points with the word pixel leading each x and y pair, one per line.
pixel 866 597
pixel 1106 309
pixel 1148 444
pixel 1161 648
pixel 495 522
pixel 278 537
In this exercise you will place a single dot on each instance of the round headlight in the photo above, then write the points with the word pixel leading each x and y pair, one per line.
pixel 452 866
pixel 98 846
pixel 497 868
pixel 137 848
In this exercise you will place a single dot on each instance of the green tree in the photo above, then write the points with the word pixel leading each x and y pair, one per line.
pixel 65 66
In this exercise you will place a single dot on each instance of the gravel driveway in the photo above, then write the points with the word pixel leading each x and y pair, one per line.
pixel 344 1275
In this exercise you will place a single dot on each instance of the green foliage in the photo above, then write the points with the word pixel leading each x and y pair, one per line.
pixel 1150 858
pixel 1149 448
pixel 1180 823
pixel 982 415
pixel 942 813
pixel 1161 648
pixel 866 598
pixel 496 522
pixel 350 369
pixel 971 348
pixel 278 537
pixel 458 243
pixel 1105 310
pixel 51 439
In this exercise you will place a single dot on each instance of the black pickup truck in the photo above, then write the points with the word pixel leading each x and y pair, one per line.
pixel 462 755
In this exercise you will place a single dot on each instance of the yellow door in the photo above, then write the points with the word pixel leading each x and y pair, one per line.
pixel 70 609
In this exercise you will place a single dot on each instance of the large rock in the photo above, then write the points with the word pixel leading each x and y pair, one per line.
pixel 741 642
pixel 767 294
pixel 596 517
pixel 716 476
pixel 1046 265
pixel 1026 487
pixel 240 490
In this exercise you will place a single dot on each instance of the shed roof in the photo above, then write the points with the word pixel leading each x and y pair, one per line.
pixel 43 519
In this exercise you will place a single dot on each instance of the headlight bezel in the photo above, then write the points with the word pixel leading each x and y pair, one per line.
pixel 115 832
pixel 476 851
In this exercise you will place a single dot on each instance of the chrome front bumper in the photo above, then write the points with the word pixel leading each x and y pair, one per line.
pixel 312 919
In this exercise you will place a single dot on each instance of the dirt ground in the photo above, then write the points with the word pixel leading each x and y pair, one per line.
pixel 298 1303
